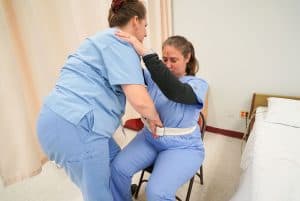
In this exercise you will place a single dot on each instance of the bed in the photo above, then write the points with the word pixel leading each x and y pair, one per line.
pixel 270 161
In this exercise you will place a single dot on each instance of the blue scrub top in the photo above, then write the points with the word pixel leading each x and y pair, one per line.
pixel 173 114
pixel 91 79
pixel 177 115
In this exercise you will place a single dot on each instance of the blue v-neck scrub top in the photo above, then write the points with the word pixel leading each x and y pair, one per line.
pixel 178 115
pixel 90 82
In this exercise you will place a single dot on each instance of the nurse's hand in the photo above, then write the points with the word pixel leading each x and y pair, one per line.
pixel 138 46
pixel 153 124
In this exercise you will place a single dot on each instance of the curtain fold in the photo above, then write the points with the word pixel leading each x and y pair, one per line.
pixel 160 22
pixel 20 153
pixel 159 28
pixel 36 38
pixel 166 19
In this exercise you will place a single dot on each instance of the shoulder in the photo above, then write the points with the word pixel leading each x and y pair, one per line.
pixel 198 84
pixel 108 39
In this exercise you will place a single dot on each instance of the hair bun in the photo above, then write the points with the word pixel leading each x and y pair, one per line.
pixel 116 5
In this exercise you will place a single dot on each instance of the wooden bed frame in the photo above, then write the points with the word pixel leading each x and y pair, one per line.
pixel 261 100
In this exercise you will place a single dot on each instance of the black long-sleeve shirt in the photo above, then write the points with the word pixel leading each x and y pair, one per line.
pixel 168 83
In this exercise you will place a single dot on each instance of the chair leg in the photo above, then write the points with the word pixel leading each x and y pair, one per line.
pixel 201 175
pixel 136 193
pixel 188 194
pixel 177 198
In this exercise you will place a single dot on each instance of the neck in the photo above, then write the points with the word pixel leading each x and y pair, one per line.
pixel 127 29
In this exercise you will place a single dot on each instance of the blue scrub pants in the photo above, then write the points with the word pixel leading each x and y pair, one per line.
pixel 84 155
pixel 173 167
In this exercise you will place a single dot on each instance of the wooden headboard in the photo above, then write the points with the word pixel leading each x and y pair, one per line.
pixel 261 100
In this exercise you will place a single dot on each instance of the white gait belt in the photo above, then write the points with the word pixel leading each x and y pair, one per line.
pixel 161 131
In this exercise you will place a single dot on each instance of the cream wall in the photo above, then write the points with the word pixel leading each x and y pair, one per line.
pixel 243 47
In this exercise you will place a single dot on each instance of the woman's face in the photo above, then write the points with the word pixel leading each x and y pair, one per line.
pixel 140 29
pixel 174 60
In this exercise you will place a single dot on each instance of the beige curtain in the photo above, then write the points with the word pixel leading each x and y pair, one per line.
pixel 160 22
pixel 159 29
pixel 36 38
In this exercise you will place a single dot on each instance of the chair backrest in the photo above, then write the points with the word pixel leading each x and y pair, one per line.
pixel 202 124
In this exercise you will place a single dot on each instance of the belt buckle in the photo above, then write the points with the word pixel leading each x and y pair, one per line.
pixel 160 131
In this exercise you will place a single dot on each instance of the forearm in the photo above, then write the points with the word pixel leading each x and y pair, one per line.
pixel 169 84
pixel 140 100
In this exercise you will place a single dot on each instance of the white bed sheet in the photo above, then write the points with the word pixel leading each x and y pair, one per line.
pixel 270 163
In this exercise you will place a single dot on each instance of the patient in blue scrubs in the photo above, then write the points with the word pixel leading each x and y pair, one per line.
pixel 179 97
pixel 80 115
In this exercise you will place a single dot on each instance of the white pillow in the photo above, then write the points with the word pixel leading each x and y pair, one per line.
pixel 283 111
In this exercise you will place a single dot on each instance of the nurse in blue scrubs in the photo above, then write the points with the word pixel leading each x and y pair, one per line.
pixel 179 97
pixel 80 115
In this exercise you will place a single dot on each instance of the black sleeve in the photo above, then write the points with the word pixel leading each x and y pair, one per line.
pixel 169 84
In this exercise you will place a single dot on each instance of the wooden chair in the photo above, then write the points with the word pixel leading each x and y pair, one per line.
pixel 202 124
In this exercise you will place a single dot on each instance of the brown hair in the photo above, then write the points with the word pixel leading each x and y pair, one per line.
pixel 186 48
pixel 121 11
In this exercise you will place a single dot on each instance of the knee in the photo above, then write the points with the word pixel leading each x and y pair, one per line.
pixel 119 168
pixel 156 192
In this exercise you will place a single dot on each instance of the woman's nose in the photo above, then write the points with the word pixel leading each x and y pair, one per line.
pixel 168 64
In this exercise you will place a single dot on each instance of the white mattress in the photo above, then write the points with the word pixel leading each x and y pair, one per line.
pixel 270 163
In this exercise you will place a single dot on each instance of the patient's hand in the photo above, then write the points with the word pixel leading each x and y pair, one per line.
pixel 138 46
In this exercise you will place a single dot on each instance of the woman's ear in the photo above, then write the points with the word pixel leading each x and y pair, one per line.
pixel 135 21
